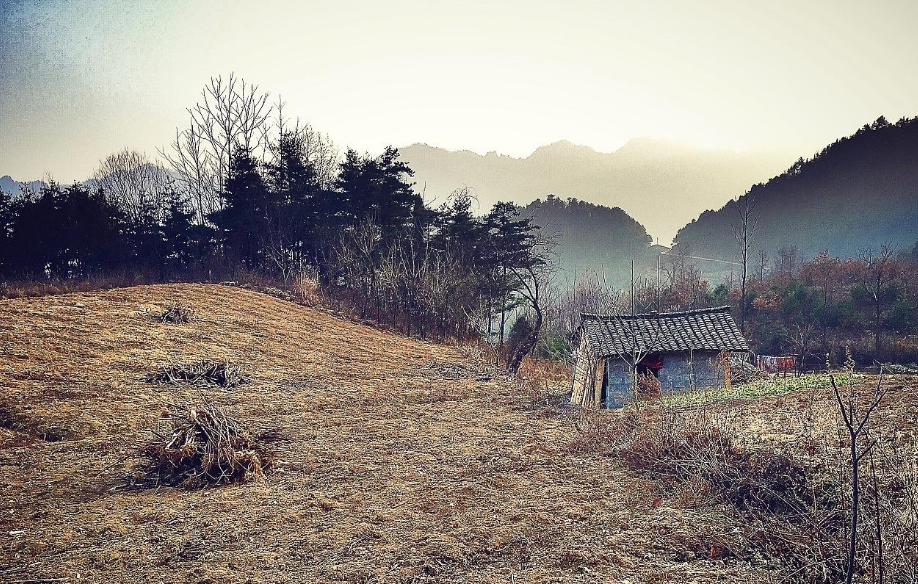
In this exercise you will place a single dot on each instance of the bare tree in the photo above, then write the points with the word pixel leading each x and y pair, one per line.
pixel 856 423
pixel 533 279
pixel 316 150
pixel 786 262
pixel 802 338
pixel 231 115
pixel 134 183
pixel 761 263
pixel 194 164
pixel 589 293
pixel 743 233
pixel 879 269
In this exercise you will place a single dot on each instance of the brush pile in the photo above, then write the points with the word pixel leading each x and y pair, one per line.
pixel 202 446
pixel 176 314
pixel 220 373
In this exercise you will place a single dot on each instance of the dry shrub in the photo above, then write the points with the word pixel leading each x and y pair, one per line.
pixel 203 446
pixel 648 386
pixel 891 502
pixel 790 511
pixel 220 373
pixel 601 433
pixel 542 379
pixel 677 447
pixel 306 288
pixel 176 313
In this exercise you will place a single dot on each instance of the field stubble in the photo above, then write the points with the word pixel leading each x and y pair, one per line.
pixel 402 461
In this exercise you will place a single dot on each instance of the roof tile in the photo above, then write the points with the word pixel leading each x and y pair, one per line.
pixel 708 329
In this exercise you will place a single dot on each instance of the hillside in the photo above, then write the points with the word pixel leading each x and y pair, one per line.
pixel 399 464
pixel 663 185
pixel 860 192
pixel 592 238
pixel 399 460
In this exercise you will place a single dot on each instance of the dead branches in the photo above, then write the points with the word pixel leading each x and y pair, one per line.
pixel 221 373
pixel 203 446
pixel 176 313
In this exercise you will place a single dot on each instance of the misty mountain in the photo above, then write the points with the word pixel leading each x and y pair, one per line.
pixel 12 187
pixel 859 193
pixel 592 238
pixel 663 185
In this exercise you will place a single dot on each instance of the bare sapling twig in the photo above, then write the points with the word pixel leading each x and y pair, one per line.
pixel 856 423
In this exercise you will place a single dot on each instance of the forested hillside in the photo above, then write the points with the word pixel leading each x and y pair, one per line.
pixel 592 238
pixel 859 193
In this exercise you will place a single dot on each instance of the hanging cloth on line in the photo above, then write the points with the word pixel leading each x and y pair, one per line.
pixel 772 364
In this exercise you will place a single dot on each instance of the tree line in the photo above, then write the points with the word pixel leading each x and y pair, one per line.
pixel 817 309
pixel 243 191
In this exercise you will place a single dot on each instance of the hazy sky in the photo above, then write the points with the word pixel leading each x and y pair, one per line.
pixel 80 79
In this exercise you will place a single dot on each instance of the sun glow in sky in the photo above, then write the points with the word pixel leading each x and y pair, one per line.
pixel 80 79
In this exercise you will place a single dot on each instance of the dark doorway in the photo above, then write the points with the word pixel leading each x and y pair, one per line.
pixel 650 364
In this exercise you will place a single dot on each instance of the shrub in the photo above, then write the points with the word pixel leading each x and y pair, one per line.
pixel 790 510
pixel 306 288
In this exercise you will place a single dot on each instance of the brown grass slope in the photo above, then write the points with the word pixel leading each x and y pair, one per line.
pixel 394 471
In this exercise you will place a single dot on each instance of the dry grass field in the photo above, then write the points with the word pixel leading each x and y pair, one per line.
pixel 401 461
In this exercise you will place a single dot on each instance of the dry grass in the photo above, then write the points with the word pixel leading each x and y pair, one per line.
pixel 780 463
pixel 394 469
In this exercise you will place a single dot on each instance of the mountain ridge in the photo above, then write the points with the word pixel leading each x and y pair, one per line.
pixel 644 172
pixel 858 193
pixel 11 186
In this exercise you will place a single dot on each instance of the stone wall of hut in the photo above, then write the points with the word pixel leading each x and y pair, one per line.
pixel 680 372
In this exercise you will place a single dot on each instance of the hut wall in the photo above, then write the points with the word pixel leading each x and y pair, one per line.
pixel 675 376
pixel 618 383
pixel 679 368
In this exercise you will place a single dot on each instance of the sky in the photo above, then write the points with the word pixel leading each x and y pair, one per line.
pixel 80 79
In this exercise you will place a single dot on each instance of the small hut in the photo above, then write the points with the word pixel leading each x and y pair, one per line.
pixel 677 350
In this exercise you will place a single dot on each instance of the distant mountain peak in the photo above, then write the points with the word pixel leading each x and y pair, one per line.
pixel 565 148
pixel 12 187
pixel 858 193
pixel 662 184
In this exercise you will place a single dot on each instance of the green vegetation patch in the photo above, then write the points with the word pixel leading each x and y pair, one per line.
pixel 771 386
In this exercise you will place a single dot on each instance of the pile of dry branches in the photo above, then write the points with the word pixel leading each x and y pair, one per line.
pixel 176 314
pixel 454 371
pixel 203 446
pixel 222 373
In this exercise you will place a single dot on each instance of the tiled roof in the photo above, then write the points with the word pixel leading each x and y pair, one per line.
pixel 708 329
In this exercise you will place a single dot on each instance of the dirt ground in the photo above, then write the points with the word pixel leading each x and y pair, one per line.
pixel 404 461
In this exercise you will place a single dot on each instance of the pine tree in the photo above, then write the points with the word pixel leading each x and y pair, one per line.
pixel 509 248
pixel 177 228
pixel 242 221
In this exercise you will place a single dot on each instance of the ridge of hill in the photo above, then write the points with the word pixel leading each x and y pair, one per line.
pixel 592 239
pixel 858 193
